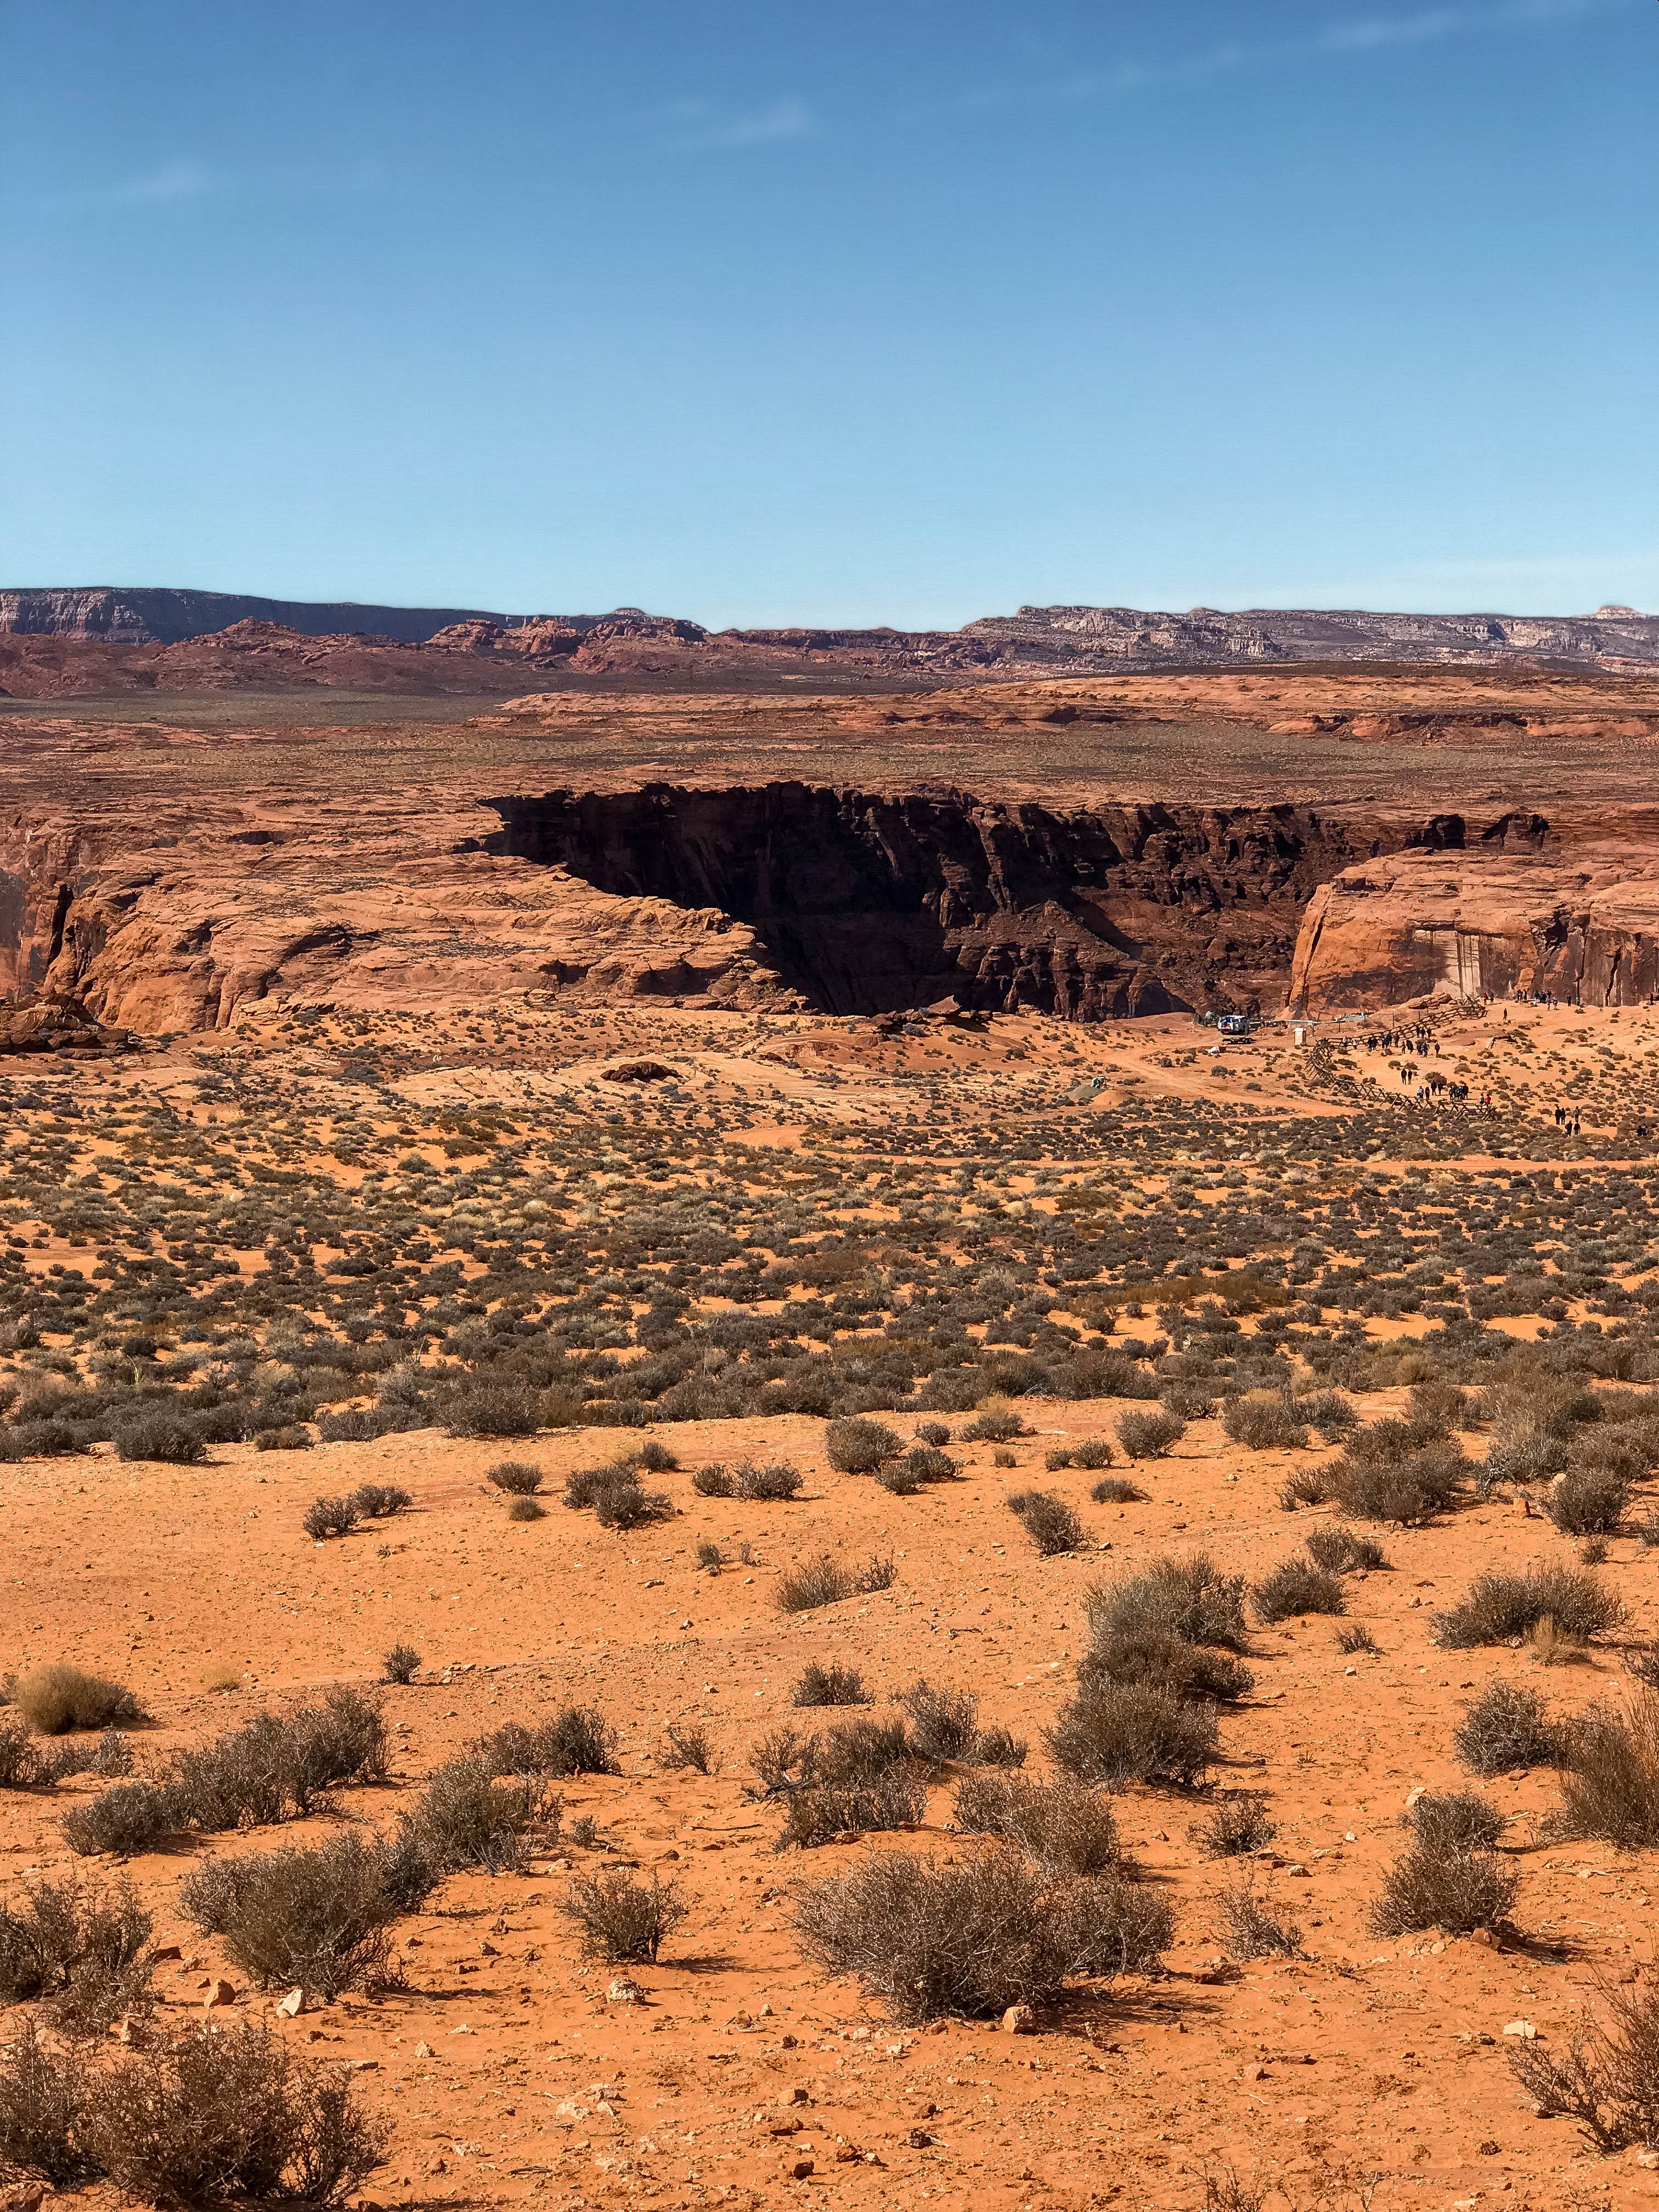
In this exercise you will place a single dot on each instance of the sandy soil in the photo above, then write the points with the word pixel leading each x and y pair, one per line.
pixel 1366 2071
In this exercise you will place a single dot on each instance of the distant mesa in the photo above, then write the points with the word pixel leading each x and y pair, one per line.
pixel 1032 642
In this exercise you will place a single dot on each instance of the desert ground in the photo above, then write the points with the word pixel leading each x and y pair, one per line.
pixel 251 1269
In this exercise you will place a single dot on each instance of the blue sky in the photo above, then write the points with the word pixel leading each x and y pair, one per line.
pixel 768 313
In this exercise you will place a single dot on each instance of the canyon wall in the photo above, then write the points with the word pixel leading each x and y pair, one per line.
pixel 1581 927
pixel 868 903
pixel 781 893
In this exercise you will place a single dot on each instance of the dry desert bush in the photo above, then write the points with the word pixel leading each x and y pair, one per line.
pixel 1149 1436
pixel 1500 1606
pixel 1265 1424
pixel 1442 1883
pixel 975 1938
pixel 622 1920
pixel 196 2118
pixel 942 1723
pixel 1116 1733
pixel 83 1953
pixel 55 1699
pixel 840 1811
pixel 1192 1598
pixel 1049 1521
pixel 315 1918
pixel 1065 1827
pixel 517 1477
pixel 1294 1588
pixel 1507 1726
pixel 829 1685
pixel 1251 1929
pixel 1606 2077
pixel 824 1581
pixel 1610 1777
pixel 1343 1552
pixel 857 1446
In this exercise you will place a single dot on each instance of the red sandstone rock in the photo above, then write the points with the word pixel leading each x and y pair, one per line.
pixel 1391 929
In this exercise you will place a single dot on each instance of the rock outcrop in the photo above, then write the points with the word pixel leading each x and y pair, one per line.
pixel 866 902
pixel 140 615
pixel 1519 918
pixel 782 893
pixel 1076 641
pixel 158 930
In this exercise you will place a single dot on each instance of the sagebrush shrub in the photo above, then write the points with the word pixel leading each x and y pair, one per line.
pixel 829 1685
pixel 942 1723
pixel 766 1483
pixel 860 1750
pixel 1606 2078
pixel 1154 1655
pixel 831 1812
pixel 1340 1552
pixel 225 2113
pixel 1377 1482
pixel 329 1516
pixel 1047 1520
pixel 133 1816
pixel 83 1951
pixel 1610 1782
pixel 1116 1490
pixel 1117 1733
pixel 1501 1606
pixel 857 1446
pixel 1263 1423
pixel 1457 1821
pixel 1294 1588
pixel 1237 1827
pixel 466 1816
pixel 1327 1411
pixel 577 1741
pixel 1430 1887
pixel 993 1427
pixel 43 2102
pixel 824 1581
pixel 1062 1826
pixel 158 1434
pixel 1588 1501
pixel 401 1664
pixel 1191 1598
pixel 316 1917
pixel 1149 1436
pixel 622 1920
pixel 377 1501
pixel 976 1938
pixel 1251 1929
pixel 518 1477
pixel 1507 1726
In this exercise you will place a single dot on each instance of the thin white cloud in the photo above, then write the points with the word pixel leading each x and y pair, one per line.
pixel 777 124
pixel 1349 37
pixel 175 181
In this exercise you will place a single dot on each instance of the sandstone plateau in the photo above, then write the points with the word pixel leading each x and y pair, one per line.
pixel 1093 850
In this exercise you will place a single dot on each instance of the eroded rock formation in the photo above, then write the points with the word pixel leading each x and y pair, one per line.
pixel 1514 918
